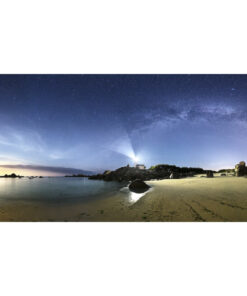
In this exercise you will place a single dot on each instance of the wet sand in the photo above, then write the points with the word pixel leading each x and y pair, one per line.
pixel 197 199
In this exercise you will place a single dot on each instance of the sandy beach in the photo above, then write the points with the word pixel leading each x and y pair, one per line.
pixel 218 199
pixel 197 199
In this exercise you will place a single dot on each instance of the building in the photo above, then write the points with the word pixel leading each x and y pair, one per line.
pixel 140 166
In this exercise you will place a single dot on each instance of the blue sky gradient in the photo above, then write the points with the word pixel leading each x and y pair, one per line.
pixel 97 122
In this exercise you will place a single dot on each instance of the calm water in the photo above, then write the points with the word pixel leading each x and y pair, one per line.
pixel 55 189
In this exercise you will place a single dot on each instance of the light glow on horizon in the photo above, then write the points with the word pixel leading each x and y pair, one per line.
pixel 28 172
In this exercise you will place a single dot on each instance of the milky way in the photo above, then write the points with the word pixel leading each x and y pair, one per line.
pixel 96 122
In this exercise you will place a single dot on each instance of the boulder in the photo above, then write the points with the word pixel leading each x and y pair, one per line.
pixel 210 174
pixel 240 169
pixel 138 186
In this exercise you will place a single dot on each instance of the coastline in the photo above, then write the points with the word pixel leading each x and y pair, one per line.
pixel 218 199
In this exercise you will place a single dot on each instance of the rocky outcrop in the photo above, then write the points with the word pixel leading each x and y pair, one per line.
pixel 210 174
pixel 138 186
pixel 107 172
pixel 128 173
pixel 123 174
pixel 76 176
pixel 11 176
pixel 174 176
pixel 240 169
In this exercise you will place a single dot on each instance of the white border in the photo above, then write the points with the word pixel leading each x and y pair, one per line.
pixel 131 36
pixel 122 37
pixel 123 259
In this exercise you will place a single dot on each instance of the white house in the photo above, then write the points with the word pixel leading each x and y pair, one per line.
pixel 140 166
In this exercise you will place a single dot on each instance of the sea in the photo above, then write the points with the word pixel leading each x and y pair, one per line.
pixel 56 189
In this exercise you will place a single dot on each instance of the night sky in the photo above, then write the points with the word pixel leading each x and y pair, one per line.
pixel 98 122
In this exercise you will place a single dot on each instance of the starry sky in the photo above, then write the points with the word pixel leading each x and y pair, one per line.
pixel 98 122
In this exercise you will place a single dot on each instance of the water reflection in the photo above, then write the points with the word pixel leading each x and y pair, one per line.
pixel 54 189
pixel 132 196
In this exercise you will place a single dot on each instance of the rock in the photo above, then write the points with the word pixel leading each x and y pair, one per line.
pixel 190 174
pixel 75 176
pixel 210 174
pixel 107 172
pixel 240 169
pixel 158 172
pixel 11 176
pixel 138 186
pixel 108 177
pixel 174 175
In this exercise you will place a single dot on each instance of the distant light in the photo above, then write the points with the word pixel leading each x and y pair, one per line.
pixel 135 158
